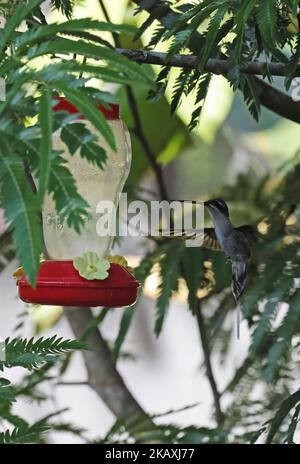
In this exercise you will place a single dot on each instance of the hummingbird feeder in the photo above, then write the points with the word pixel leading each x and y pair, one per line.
pixel 60 284
pixel 60 281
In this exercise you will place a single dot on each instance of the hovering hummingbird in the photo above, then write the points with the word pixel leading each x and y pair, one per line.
pixel 235 242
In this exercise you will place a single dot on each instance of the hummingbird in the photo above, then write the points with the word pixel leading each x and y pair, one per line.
pixel 235 242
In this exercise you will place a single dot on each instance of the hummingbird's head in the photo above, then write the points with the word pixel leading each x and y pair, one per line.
pixel 217 205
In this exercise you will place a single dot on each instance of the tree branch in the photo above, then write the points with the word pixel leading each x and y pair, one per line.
pixel 207 361
pixel 270 97
pixel 216 66
pixel 278 102
pixel 103 376
pixel 140 134
pixel 72 384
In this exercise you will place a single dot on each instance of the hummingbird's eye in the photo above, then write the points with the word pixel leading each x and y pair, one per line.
pixel 220 203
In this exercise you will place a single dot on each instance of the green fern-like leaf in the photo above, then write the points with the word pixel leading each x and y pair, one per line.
pixel 77 136
pixel 184 19
pixel 15 20
pixel 179 41
pixel 293 425
pixel 161 84
pixel 156 37
pixel 282 413
pixel 180 88
pixel 264 323
pixel 69 204
pixel 251 96
pixel 80 47
pixel 65 6
pixel 283 336
pixel 32 353
pixel 240 21
pixel 46 142
pixel 294 62
pixel 267 21
pixel 202 89
pixel 34 35
pixel 24 434
pixel 195 16
pixel 104 73
pixel 7 393
pixel 169 274
pixel 82 102
pixel 212 35
pixel 268 281
pixel 22 211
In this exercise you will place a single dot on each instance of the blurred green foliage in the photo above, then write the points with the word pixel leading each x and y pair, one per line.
pixel 235 163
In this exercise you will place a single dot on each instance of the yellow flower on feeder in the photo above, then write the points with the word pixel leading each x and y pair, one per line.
pixel 19 273
pixel 118 259
pixel 91 267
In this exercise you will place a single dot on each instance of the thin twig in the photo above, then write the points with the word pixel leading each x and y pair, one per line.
pixel 138 129
pixel 208 364
pixel 72 384
pixel 106 16
pixel 140 134
pixel 269 96
pixel 29 176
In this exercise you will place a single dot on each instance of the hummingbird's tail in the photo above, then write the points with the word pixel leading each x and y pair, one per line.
pixel 238 282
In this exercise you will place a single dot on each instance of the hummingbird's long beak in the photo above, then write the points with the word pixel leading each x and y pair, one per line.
pixel 192 202
pixel 207 203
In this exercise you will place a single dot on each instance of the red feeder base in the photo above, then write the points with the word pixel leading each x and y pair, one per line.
pixel 60 284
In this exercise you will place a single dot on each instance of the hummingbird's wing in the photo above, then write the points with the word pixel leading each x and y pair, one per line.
pixel 210 240
pixel 249 234
pixel 206 235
